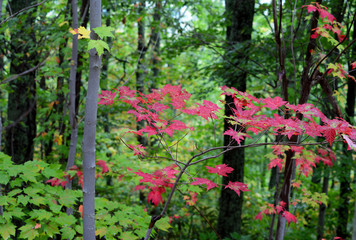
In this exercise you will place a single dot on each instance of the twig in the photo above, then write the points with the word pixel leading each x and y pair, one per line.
pixel 11 78
pixel 22 10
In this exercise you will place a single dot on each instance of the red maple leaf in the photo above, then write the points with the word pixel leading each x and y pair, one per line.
pixel 138 149
pixel 221 169
pixel 330 135
pixel 325 14
pixel 150 130
pixel 106 97
pixel 276 162
pixel 259 216
pixel 273 103
pixel 155 196
pixel 200 181
pixel 289 217
pixel 102 164
pixel 311 8
pixel 237 136
pixel 237 187
pixel 158 107
pixel 353 65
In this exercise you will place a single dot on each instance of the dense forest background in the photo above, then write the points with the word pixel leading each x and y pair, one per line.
pixel 265 48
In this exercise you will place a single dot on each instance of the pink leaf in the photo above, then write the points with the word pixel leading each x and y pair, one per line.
pixel 289 217
pixel 200 181
pixel 237 187
pixel 259 216
pixel 237 136
pixel 221 169
pixel 106 97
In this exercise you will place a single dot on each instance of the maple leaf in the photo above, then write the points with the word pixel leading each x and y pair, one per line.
pixel 138 149
pixel 155 196
pixel 330 135
pixel 158 107
pixel 200 181
pixel 191 200
pixel 289 217
pixel 273 103
pixel 103 165
pixel 311 8
pixel 221 169
pixel 237 136
pixel 259 216
pixel 237 187
pixel 353 65
pixel 276 162
pixel 325 14
pixel 350 142
pixel 150 130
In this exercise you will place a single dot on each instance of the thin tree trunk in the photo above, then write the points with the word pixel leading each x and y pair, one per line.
pixel 239 18
pixel 322 208
pixel 354 225
pixel 156 40
pixel 71 108
pixel 19 142
pixel 91 108
pixel 141 66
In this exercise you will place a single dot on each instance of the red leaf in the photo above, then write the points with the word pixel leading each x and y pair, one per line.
pixel 326 14
pixel 289 217
pixel 330 135
pixel 237 136
pixel 155 197
pixel 150 130
pixel 276 162
pixel 106 97
pixel 221 169
pixel 102 164
pixel 209 184
pixel 138 149
pixel 273 103
pixel 310 8
pixel 259 216
pixel 353 65
pixel 158 107
pixel 237 187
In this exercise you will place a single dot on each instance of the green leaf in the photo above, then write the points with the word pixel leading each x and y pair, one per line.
pixel 104 31
pixel 40 214
pixel 14 192
pixel 128 236
pixel 67 197
pixel 51 229
pixel 68 233
pixel 28 232
pixel 17 212
pixel 99 45
pixel 64 219
pixel 101 232
pixel 4 178
pixel 38 200
pixel 7 230
pixel 163 224
pixel 23 199
pixel 53 171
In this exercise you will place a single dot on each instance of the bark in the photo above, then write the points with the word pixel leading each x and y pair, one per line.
pixel 156 40
pixel 19 139
pixel 346 163
pixel 141 67
pixel 322 208
pixel 91 108
pixel 239 17
pixel 72 94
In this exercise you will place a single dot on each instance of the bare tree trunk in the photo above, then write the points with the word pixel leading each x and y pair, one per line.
pixel 91 109
pixel 322 208
pixel 141 66
pixel 71 108
pixel 239 18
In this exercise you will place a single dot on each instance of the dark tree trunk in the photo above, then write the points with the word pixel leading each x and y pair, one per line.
pixel 22 93
pixel 239 17
pixel 156 40
pixel 141 67
pixel 346 163
pixel 322 208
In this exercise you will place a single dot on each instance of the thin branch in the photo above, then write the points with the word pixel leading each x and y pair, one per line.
pixel 22 10
pixel 11 78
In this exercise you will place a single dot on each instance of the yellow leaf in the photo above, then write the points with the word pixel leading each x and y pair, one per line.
pixel 73 31
pixel 83 33
pixel 62 23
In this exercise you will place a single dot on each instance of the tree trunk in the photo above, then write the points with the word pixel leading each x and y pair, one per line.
pixel 71 108
pixel 21 110
pixel 141 66
pixel 91 109
pixel 239 17
pixel 322 208
pixel 156 40
pixel 346 163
